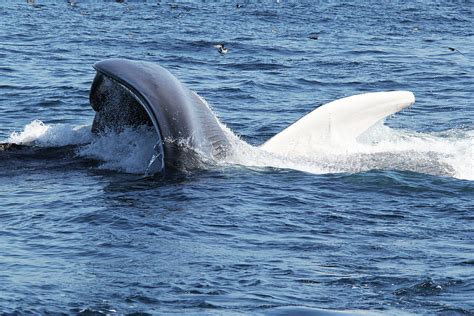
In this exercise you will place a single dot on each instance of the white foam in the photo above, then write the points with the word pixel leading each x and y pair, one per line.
pixel 447 154
pixel 39 134
pixel 128 151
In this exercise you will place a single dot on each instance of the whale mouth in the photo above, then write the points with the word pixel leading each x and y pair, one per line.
pixel 127 93
pixel 119 106
pixel 116 106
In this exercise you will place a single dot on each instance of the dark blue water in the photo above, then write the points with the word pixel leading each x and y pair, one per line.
pixel 386 228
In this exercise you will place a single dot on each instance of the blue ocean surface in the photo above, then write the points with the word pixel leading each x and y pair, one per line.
pixel 384 227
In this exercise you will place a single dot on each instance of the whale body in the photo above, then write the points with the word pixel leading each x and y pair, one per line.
pixel 133 93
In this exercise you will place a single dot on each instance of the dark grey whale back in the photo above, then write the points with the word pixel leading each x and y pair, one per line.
pixel 132 93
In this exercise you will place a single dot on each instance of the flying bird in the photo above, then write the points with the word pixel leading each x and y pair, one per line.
pixel 455 50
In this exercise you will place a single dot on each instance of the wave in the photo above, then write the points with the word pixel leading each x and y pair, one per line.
pixel 449 153
pixel 43 135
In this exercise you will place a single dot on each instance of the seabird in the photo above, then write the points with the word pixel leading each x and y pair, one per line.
pixel 455 50
pixel 221 49
pixel 313 36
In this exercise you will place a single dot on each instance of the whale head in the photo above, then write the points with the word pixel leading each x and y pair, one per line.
pixel 126 93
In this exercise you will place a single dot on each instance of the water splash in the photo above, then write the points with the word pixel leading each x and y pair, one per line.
pixel 45 135
pixel 381 148
pixel 127 151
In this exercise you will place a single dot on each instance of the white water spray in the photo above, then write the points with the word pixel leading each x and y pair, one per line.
pixel 380 148
pixel 50 135
pixel 448 153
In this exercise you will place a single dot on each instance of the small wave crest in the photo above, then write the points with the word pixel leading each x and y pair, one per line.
pixel 40 134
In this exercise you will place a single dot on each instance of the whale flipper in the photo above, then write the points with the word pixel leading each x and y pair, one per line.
pixel 340 121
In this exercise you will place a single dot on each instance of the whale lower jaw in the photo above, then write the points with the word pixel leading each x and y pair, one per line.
pixel 117 107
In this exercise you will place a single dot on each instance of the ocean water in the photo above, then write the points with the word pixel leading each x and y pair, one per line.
pixel 381 226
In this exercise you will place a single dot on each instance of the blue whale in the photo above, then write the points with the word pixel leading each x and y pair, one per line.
pixel 133 93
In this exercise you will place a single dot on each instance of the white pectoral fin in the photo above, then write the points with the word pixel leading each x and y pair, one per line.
pixel 339 121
